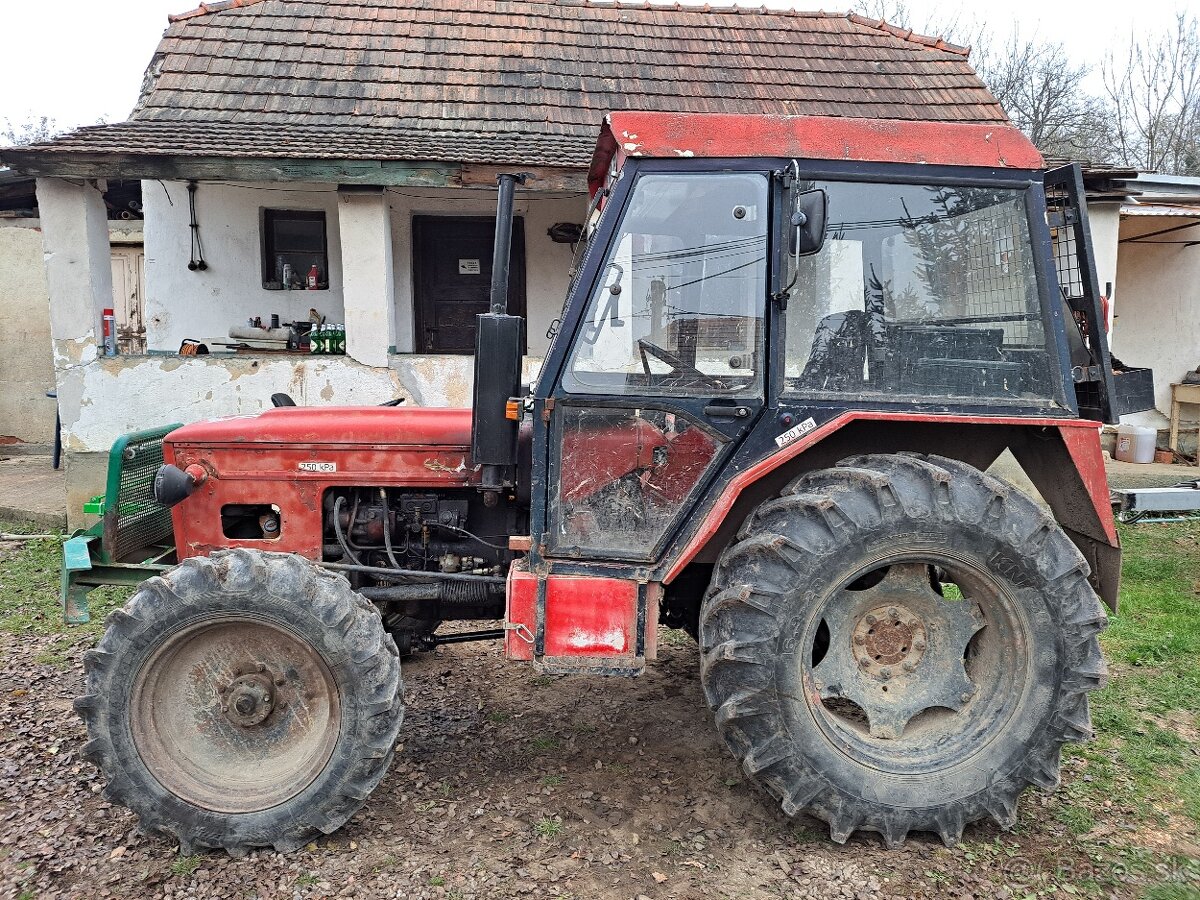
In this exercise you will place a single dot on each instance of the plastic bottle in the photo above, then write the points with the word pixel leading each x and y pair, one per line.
pixel 313 277
pixel 1135 443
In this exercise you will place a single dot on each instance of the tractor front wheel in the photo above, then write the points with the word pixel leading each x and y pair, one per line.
pixel 243 700
pixel 899 644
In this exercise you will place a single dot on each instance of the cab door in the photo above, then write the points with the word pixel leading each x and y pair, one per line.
pixel 664 374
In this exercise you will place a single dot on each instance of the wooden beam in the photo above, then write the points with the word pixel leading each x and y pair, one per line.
pixel 541 178
pixel 202 168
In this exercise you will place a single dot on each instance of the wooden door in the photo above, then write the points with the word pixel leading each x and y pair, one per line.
pixel 129 291
pixel 452 278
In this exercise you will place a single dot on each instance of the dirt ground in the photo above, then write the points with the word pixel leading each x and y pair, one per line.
pixel 508 784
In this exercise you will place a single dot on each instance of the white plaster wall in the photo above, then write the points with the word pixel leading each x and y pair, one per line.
pixel 1105 222
pixel 26 364
pixel 546 263
pixel 181 303
pixel 368 283
pixel 1159 306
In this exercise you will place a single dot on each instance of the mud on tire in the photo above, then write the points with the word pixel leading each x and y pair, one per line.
pixel 901 643
pixel 243 700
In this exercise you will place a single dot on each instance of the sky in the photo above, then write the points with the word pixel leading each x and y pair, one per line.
pixel 80 61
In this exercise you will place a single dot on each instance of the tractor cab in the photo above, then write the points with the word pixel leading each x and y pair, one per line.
pixel 753 286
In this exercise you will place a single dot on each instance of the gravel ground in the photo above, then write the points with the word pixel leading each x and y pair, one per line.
pixel 508 784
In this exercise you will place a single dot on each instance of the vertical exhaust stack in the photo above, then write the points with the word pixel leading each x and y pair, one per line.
pixel 499 345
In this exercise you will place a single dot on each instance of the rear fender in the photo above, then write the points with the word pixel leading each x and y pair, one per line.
pixel 1062 458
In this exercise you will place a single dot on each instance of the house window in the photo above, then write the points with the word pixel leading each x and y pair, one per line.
pixel 294 244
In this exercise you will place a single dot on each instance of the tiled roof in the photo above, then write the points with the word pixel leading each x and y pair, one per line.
pixel 481 80
pixel 256 140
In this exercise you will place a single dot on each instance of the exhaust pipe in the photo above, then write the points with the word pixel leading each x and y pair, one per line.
pixel 499 345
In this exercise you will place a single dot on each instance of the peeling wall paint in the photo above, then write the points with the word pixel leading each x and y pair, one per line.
pixel 110 397
pixel 26 365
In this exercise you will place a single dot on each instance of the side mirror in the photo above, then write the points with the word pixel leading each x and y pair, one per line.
pixel 808 222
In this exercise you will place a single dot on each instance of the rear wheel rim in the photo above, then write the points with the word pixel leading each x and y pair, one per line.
pixel 235 714
pixel 907 679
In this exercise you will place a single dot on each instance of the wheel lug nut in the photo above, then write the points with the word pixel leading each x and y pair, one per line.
pixel 893 613
pixel 864 662
pixel 918 645
pixel 871 620
pixel 885 674
pixel 909 665
pixel 859 639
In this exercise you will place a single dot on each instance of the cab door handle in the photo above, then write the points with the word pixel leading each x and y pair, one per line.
pixel 721 411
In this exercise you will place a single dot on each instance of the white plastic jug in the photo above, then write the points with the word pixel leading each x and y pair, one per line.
pixel 1135 443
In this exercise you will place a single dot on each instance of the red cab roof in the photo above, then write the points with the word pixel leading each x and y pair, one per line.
pixel 675 135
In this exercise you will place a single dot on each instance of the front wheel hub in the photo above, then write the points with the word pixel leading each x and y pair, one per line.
pixel 249 699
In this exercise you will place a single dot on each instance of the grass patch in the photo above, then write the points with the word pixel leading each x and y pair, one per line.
pixel 307 879
pixel 1142 759
pixel 184 865
pixel 547 827
pixel 543 744
pixel 29 597
pixel 552 780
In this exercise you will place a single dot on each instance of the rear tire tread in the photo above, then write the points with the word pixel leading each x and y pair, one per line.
pixel 821 507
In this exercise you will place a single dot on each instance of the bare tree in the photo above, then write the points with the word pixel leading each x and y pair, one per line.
pixel 30 130
pixel 1155 92
pixel 1043 93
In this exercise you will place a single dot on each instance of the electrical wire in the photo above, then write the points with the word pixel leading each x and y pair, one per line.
pixel 473 537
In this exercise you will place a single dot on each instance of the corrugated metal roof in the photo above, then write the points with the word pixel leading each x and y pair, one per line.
pixel 1151 210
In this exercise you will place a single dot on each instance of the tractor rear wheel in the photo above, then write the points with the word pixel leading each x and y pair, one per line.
pixel 243 700
pixel 901 643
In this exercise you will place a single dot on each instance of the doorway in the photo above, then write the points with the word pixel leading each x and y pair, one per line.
pixel 452 278
pixel 129 293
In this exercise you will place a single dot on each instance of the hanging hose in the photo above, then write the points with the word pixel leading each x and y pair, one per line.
pixel 337 530
pixel 387 530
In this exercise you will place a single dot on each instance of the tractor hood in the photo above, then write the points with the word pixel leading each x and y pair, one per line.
pixel 342 426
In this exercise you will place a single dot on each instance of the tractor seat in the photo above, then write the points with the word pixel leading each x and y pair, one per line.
pixel 839 347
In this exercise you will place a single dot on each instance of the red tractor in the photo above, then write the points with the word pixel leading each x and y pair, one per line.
pixel 790 350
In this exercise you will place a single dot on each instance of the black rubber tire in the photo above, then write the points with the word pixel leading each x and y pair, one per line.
pixel 808 543
pixel 317 606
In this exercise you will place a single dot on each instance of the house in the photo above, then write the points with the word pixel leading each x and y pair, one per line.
pixel 358 142
pixel 1145 231
pixel 27 414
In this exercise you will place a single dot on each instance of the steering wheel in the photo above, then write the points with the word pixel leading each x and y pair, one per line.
pixel 676 364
